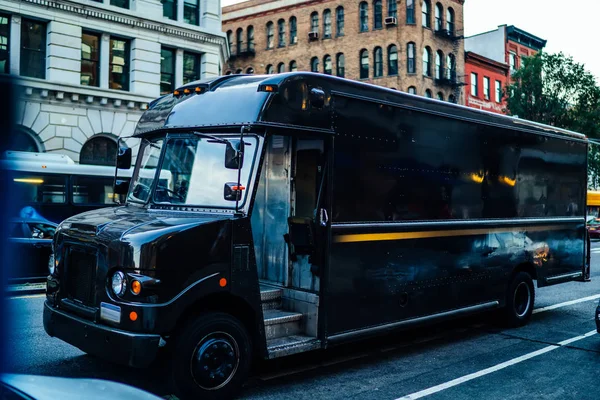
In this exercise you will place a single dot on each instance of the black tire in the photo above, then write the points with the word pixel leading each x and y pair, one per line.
pixel 211 357
pixel 520 299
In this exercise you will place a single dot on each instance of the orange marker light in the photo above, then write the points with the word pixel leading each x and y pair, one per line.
pixel 269 88
pixel 187 91
pixel 198 90
pixel 133 316
pixel 136 287
pixel 177 93
pixel 222 282
pixel 238 188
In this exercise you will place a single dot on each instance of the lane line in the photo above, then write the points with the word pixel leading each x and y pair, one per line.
pixel 566 303
pixel 26 296
pixel 466 378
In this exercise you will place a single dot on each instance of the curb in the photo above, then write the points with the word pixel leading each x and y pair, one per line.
pixel 19 290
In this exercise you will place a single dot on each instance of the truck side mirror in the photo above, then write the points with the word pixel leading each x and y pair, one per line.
pixel 124 157
pixel 234 153
pixel 232 191
pixel 121 186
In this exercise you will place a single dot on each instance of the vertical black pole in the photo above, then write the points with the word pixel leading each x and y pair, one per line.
pixel 240 156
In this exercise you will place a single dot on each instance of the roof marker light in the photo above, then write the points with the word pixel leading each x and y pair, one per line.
pixel 176 93
pixel 267 88
pixel 198 90
pixel 187 91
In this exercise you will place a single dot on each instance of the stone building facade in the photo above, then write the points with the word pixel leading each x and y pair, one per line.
pixel 86 70
pixel 411 45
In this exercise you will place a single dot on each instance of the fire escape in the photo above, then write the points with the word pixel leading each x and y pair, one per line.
pixel 239 51
pixel 448 76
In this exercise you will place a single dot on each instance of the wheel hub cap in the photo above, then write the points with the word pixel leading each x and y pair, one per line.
pixel 215 361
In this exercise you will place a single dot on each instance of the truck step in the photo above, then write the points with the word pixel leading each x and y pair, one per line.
pixel 288 345
pixel 280 323
pixel 270 297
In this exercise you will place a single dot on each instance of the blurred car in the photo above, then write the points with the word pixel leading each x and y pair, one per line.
pixel 593 228
pixel 30 246
pixel 17 386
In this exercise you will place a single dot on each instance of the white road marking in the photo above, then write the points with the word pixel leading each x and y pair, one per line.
pixel 26 296
pixel 466 378
pixel 566 303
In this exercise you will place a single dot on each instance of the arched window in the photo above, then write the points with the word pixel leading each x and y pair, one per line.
pixel 452 99
pixel 428 94
pixel 427 61
pixel 314 64
pixel 439 11
pixel 270 34
pixel 250 70
pixel 327 65
pixel 440 96
pixel 270 69
pixel 230 41
pixel 426 11
pixel 314 22
pixel 378 67
pixel 293 66
pixel 239 41
pixel 364 16
pixel 412 90
pixel 392 60
pixel 281 68
pixel 439 65
pixel 364 64
pixel 281 31
pixel 100 149
pixel 377 14
pixel 327 23
pixel 26 140
pixel 411 65
pixel 228 73
pixel 250 36
pixel 410 12
pixel 392 8
pixel 340 65
pixel 450 21
pixel 238 71
pixel 339 16
pixel 450 67
pixel 293 30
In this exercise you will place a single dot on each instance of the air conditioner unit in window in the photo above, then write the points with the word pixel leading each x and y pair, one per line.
pixel 313 35
pixel 390 21
pixel 295 40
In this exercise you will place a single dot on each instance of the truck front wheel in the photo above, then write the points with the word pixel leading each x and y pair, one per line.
pixel 211 357
pixel 520 299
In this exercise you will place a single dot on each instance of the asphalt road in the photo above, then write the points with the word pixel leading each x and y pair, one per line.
pixel 556 356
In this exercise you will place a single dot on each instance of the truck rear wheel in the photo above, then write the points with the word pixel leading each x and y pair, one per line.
pixel 211 357
pixel 520 299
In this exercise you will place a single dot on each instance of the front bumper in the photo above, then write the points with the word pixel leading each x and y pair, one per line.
pixel 133 349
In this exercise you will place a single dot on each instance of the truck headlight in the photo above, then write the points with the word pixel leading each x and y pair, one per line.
pixel 119 283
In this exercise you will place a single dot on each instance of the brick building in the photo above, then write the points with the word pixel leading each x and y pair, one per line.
pixel 487 80
pixel 413 45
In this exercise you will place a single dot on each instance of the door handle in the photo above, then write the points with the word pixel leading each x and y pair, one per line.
pixel 37 245
pixel 323 218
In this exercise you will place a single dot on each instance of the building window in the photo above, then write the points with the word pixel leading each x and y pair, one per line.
pixel 293 31
pixel 230 41
pixel 339 16
pixel 170 9
pixel 238 71
pixel 33 49
pixel 250 70
pixel 364 16
pixel 327 65
pixel 191 67
pixel 512 61
pixel 314 22
pixel 120 3
pixel 24 139
pixel 281 30
pixel 99 150
pixel 281 68
pixel 411 65
pixel 293 66
pixel 119 64
pixel 450 21
pixel 450 67
pixel 378 67
pixel 410 11
pixel 377 14
pixel 364 64
pixel 452 99
pixel 4 44
pixel 439 11
pixel 498 91
pixel 90 57
pixel 239 40
pixel 190 11
pixel 440 96
pixel 474 88
pixel 327 23
pixel 427 61
pixel 439 66
pixel 426 17
pixel 270 34
pixel 250 38
pixel 486 88
pixel 392 60
pixel 428 94
pixel 269 69
pixel 412 90
pixel 167 70
pixel 392 8
pixel 314 64
pixel 340 65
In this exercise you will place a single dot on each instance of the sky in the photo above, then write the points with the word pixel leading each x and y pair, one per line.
pixel 571 30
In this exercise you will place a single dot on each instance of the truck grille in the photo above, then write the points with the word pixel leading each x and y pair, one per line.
pixel 81 271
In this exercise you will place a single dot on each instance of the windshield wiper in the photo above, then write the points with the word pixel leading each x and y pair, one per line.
pixel 213 138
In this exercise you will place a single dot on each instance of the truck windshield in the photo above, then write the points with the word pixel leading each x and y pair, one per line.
pixel 142 182
pixel 193 171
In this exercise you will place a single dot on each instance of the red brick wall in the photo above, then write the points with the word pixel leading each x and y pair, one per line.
pixel 494 73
